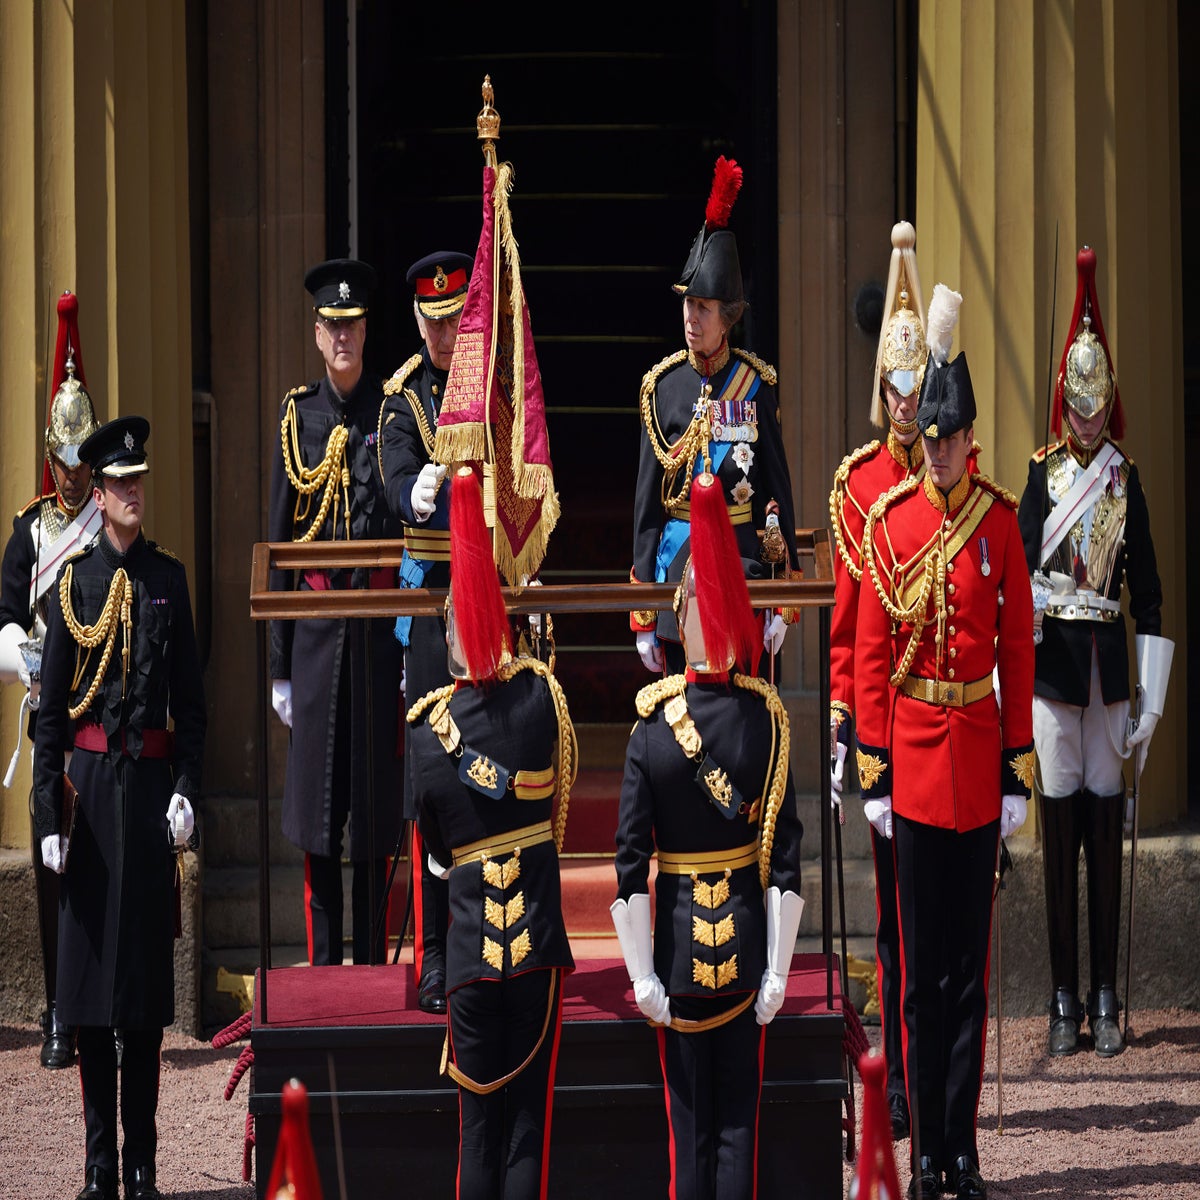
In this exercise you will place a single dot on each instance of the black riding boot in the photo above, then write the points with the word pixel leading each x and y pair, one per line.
pixel 1102 850
pixel 1062 833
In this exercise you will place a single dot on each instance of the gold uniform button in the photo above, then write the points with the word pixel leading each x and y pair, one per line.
pixel 953 631
pixel 950 588
pixel 953 651
pixel 950 609
pixel 950 567
pixel 435 389
pixel 951 672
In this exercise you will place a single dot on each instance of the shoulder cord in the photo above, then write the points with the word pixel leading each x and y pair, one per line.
pixel 88 637
pixel 777 768
pixel 568 742
pixel 328 473
pixel 390 388
pixel 675 458
pixel 935 573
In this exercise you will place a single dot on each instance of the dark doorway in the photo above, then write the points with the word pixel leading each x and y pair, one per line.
pixel 613 134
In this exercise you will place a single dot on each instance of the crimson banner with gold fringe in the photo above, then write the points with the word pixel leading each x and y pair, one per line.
pixel 493 411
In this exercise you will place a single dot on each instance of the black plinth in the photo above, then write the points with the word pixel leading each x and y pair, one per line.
pixel 355 1033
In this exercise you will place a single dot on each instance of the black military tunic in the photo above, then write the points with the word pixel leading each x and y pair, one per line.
pixel 327 752
pixel 710 928
pixel 407 425
pixel 1063 669
pixel 117 920
pixel 507 946
pixel 672 388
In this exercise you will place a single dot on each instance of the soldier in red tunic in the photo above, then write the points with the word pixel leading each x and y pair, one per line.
pixel 946 771
pixel 865 475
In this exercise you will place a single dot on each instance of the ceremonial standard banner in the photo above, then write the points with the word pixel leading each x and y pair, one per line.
pixel 493 411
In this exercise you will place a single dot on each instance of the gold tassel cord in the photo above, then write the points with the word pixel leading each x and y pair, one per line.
pixel 117 610
pixel 331 471
pixel 778 768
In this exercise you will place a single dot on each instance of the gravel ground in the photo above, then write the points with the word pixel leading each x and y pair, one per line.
pixel 1126 1128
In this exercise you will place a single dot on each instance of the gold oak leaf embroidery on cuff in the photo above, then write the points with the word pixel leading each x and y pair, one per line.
pixel 870 768
pixel 1022 767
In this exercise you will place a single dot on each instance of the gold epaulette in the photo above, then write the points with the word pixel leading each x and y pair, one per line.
pixel 896 492
pixel 853 459
pixel 305 389
pixel 427 701
pixel 837 501
pixel 400 378
pixel 768 373
pixel 1040 455
pixel 163 551
pixel 653 694
pixel 997 490
pixel 36 501
pixel 656 372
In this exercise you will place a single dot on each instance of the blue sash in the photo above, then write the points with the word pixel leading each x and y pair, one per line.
pixel 412 575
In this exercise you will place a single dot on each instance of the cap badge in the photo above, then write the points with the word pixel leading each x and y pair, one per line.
pixel 932 431
pixel 439 280
pixel 343 290
pixel 128 440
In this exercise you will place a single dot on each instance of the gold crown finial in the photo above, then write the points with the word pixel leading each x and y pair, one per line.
pixel 487 124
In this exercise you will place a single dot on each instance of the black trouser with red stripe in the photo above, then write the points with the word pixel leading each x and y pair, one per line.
pixel 713 1081
pixel 139 1096
pixel 887 956
pixel 504 1137
pixel 945 882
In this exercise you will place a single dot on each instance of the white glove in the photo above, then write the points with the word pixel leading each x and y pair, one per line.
pixel 404 681
pixel 1141 736
pixel 783 913
pixel 180 819
pixel 771 993
pixel 650 652
pixel 879 813
pixel 281 700
pixel 423 497
pixel 535 619
pixel 631 920
pixel 54 853
pixel 838 766
pixel 773 633
pixel 1013 810
pixel 652 1000
pixel 12 661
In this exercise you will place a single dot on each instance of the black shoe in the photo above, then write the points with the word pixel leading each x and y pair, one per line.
pixel 964 1181
pixel 1065 1014
pixel 98 1184
pixel 898 1111
pixel 431 994
pixel 58 1044
pixel 1104 1019
pixel 926 1181
pixel 140 1185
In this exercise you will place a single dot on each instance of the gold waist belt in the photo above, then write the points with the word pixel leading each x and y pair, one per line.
pixel 946 692
pixel 709 862
pixel 529 835
pixel 1083 606
pixel 534 785
pixel 739 514
pixel 433 545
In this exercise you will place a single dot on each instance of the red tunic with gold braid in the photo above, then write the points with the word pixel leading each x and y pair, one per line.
pixel 949 575
pixel 862 478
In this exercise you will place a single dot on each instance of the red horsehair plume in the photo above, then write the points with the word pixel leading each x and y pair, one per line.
pixel 727 182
